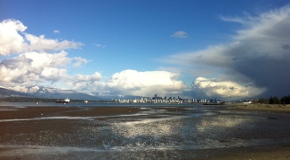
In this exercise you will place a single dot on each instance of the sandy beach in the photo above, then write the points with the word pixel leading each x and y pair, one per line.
pixel 239 132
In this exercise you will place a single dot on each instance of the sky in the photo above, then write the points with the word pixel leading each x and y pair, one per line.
pixel 196 48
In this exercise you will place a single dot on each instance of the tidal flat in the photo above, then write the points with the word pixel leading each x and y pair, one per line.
pixel 144 132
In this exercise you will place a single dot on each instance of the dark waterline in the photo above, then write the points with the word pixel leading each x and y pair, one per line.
pixel 100 104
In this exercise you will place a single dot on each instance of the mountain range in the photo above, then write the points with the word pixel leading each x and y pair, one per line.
pixel 54 93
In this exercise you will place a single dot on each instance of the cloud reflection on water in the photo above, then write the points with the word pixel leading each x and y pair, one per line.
pixel 220 121
pixel 183 132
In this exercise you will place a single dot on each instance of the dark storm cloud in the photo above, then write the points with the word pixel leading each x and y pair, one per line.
pixel 259 54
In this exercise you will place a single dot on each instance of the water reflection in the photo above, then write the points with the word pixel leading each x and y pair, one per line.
pixel 183 132
pixel 220 121
pixel 148 127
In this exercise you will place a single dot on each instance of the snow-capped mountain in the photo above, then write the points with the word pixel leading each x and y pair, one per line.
pixel 45 92
pixel 10 93
pixel 55 93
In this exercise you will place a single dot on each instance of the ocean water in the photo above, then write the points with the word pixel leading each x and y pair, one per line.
pixel 95 104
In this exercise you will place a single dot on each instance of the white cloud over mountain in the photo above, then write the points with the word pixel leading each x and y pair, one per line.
pixel 35 60
pixel 258 55
pixel 32 67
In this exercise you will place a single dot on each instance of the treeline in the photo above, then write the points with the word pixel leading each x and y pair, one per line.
pixel 25 99
pixel 274 100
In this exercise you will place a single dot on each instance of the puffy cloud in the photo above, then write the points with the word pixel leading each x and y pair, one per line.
pixel 10 40
pixel 225 89
pixel 36 63
pixel 129 82
pixel 53 74
pixel 15 69
pixel 42 44
pixel 86 83
pixel 33 67
pixel 79 61
pixel 13 39
pixel 146 83
pixel 88 78
pixel 179 34
pixel 100 45
pixel 43 59
pixel 258 54
pixel 56 31
pixel 19 88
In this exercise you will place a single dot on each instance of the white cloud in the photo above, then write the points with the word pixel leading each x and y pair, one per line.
pixel 179 34
pixel 36 63
pixel 226 89
pixel 30 68
pixel 56 31
pixel 53 74
pixel 14 40
pixel 258 54
pixel 19 88
pixel 86 83
pixel 10 40
pixel 42 44
pixel 79 61
pixel 100 45
pixel 42 59
pixel 129 82
pixel 146 83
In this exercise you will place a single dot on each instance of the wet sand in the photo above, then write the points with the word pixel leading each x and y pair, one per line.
pixel 263 107
pixel 144 133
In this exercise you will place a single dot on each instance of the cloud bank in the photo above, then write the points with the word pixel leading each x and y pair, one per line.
pixel 259 55
pixel 38 61
pixel 228 89
pixel 147 83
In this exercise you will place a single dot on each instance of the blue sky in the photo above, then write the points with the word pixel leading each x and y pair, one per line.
pixel 110 43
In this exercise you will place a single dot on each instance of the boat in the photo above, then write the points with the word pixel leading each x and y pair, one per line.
pixel 63 100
